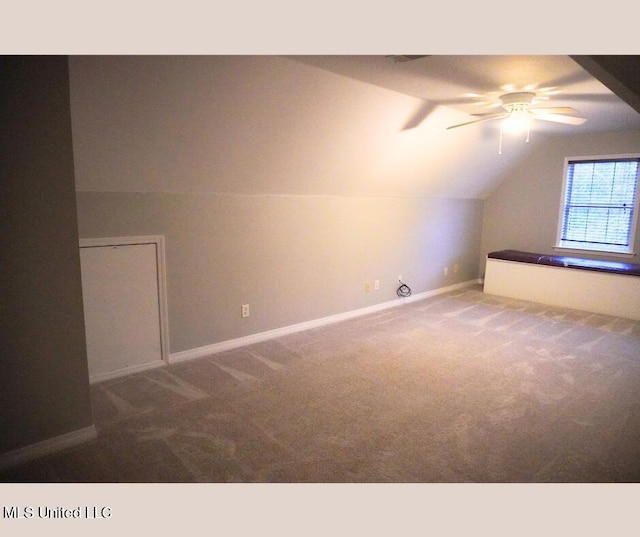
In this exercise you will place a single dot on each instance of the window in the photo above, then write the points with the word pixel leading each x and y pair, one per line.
pixel 600 204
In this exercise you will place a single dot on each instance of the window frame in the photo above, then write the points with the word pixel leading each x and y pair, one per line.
pixel 563 199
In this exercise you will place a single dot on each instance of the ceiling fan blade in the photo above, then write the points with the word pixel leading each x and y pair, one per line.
pixel 494 114
pixel 569 120
pixel 487 118
pixel 425 110
pixel 554 110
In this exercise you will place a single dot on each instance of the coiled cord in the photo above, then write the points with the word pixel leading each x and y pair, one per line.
pixel 404 290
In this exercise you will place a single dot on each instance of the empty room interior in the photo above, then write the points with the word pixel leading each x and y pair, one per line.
pixel 320 269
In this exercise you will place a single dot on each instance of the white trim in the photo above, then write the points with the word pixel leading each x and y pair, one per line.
pixel 47 447
pixel 158 241
pixel 601 253
pixel 100 377
pixel 207 350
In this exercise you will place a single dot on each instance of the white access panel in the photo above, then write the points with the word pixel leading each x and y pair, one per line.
pixel 122 308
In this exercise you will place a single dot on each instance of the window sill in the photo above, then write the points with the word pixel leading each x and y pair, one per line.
pixel 626 255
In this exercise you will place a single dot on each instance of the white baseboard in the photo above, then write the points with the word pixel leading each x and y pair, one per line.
pixel 126 371
pixel 47 447
pixel 230 344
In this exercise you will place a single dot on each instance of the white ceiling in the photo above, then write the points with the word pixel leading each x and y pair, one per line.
pixel 473 84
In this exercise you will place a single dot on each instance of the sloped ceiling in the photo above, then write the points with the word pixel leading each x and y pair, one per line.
pixel 473 84
pixel 314 125
pixel 621 74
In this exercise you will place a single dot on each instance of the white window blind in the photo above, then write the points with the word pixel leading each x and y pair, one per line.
pixel 599 204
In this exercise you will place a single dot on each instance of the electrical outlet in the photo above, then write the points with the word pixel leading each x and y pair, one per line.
pixel 376 285
pixel 367 287
pixel 446 271
pixel 245 310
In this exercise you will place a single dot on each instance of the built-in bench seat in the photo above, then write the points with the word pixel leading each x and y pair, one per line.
pixel 596 285
pixel 615 267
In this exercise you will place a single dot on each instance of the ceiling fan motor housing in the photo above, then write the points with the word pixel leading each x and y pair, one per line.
pixel 517 101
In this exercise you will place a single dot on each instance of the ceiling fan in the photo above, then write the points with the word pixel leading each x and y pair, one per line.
pixel 518 113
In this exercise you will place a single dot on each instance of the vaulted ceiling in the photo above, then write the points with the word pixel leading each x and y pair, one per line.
pixel 473 84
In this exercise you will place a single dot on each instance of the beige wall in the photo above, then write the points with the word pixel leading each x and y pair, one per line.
pixel 44 385
pixel 522 212
pixel 292 258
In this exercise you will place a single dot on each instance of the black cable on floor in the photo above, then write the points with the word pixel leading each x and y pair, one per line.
pixel 404 290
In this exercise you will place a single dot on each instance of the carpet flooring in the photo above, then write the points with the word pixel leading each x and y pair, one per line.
pixel 463 387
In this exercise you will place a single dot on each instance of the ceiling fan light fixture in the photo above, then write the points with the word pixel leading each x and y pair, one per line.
pixel 518 121
pixel 517 106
